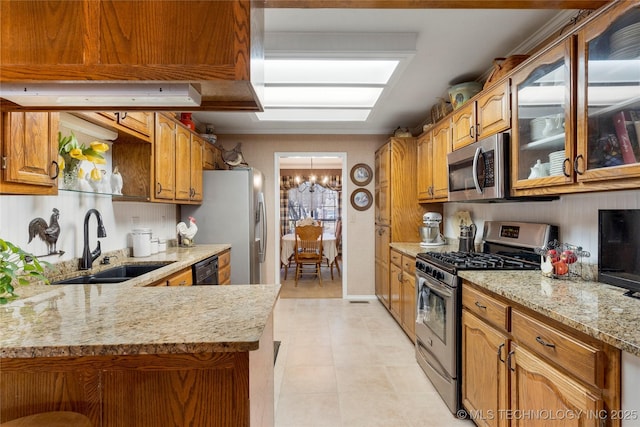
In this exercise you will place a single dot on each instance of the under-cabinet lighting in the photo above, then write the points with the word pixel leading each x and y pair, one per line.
pixel 101 94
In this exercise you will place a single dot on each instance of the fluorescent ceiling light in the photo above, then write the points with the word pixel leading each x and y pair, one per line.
pixel 101 94
pixel 305 89
pixel 321 96
pixel 314 115
pixel 329 71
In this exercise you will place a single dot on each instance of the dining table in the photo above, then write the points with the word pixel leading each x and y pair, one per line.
pixel 329 249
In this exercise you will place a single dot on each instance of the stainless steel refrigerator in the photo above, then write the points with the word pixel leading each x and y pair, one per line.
pixel 233 211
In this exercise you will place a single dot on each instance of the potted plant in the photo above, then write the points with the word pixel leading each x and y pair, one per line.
pixel 16 268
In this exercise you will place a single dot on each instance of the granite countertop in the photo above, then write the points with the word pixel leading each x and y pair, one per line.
pixel 597 309
pixel 128 318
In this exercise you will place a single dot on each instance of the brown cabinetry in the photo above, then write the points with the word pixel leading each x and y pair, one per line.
pixel 128 124
pixel 403 291
pixel 382 240
pixel 433 147
pixel 183 277
pixel 397 212
pixel 518 362
pixel 188 165
pixel 224 268
pixel 210 44
pixel 212 158
pixel 486 115
pixel 579 128
pixel 29 153
pixel 169 170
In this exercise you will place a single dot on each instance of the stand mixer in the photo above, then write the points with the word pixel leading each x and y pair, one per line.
pixel 430 232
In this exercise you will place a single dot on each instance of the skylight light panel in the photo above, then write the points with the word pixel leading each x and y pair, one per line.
pixel 329 71
pixel 314 115
pixel 351 97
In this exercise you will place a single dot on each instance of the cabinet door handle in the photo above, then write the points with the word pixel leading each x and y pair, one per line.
pixel 400 277
pixel 544 343
pixel 500 352
pixel 471 132
pixel 477 129
pixel 511 353
pixel 575 164
pixel 122 115
pixel 57 166
pixel 484 307
pixel 159 187
pixel 564 167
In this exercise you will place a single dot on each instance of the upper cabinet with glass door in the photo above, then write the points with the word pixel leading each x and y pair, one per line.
pixel 608 96
pixel 542 130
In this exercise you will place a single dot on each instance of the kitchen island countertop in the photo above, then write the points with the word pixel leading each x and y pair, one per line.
pixel 128 318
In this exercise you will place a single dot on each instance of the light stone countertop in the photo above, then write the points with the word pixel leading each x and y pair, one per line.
pixel 597 309
pixel 129 318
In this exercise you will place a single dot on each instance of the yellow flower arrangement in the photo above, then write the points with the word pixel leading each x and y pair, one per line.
pixel 71 153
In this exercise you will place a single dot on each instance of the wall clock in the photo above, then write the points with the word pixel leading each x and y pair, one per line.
pixel 361 174
pixel 361 199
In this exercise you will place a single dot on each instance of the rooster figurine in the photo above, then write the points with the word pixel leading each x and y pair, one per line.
pixel 186 234
pixel 47 232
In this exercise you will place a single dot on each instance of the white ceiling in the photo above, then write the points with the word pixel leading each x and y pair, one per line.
pixel 452 46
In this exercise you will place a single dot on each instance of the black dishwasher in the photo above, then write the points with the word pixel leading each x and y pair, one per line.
pixel 205 272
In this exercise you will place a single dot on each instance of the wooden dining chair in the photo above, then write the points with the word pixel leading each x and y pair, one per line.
pixel 308 251
pixel 334 262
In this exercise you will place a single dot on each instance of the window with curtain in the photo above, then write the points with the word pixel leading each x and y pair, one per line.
pixel 309 201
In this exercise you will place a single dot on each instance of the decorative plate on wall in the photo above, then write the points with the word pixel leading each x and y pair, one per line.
pixel 361 174
pixel 361 199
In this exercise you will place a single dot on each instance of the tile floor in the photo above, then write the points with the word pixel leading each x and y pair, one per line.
pixel 344 364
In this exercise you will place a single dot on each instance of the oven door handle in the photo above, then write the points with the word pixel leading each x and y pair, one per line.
pixel 434 286
pixel 476 158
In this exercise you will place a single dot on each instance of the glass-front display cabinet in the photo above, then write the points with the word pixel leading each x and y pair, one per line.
pixel 542 131
pixel 608 96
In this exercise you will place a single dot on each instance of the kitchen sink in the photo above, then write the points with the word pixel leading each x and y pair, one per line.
pixel 117 274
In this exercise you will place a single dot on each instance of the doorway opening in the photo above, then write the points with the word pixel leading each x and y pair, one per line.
pixel 309 189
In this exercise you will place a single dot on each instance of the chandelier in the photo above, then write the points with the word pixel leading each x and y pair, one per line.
pixel 311 182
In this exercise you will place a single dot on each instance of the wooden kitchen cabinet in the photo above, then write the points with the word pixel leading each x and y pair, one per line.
pixel 29 153
pixel 516 361
pixel 608 98
pixel 484 371
pixel 382 240
pixel 395 283
pixel 408 296
pixel 584 121
pixel 212 158
pixel 129 124
pixel 485 115
pixel 433 178
pixel 382 175
pixel 224 267
pixel 183 277
pixel 164 159
pixel 402 287
pixel 188 165
pixel 210 44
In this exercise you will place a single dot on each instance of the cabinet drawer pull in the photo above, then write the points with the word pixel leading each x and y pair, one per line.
pixel 480 305
pixel 544 343
pixel 500 352
pixel 55 175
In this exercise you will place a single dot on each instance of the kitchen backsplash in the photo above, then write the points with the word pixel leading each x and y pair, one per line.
pixel 16 212
pixel 576 215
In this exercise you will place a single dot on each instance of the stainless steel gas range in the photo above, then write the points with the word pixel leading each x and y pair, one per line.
pixel 505 246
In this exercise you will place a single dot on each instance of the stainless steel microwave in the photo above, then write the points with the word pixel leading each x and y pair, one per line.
pixel 479 172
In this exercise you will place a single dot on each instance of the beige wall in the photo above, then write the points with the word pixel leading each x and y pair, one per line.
pixel 358 242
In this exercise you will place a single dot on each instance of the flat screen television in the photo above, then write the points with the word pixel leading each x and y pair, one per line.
pixel 619 248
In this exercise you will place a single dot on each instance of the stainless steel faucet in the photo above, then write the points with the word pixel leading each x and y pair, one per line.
pixel 89 256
